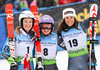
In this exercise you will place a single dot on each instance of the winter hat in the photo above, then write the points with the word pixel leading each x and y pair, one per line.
pixel 69 12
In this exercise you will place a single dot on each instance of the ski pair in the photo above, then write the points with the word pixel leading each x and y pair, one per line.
pixel 10 27
pixel 93 22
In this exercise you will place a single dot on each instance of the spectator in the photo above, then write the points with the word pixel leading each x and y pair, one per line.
pixel 17 6
pixel 23 4
pixel 46 3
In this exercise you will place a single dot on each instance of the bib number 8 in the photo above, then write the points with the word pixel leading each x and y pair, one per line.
pixel 45 51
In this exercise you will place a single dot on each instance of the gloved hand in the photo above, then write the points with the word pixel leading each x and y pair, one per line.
pixel 88 44
pixel 32 35
pixel 40 66
pixel 13 64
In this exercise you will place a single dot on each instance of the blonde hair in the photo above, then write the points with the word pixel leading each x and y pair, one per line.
pixel 18 30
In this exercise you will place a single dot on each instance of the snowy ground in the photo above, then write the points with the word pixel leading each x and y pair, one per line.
pixel 62 59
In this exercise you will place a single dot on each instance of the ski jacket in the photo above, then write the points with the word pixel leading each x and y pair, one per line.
pixel 22 42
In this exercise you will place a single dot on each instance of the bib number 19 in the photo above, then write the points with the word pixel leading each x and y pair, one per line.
pixel 73 43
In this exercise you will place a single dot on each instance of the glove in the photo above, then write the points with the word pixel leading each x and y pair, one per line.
pixel 32 35
pixel 88 42
pixel 40 66
pixel 13 64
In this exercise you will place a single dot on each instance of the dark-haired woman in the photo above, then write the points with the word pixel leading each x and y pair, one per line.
pixel 73 35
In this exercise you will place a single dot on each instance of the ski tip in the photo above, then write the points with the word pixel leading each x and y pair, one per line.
pixel 33 3
pixel 93 10
pixel 8 6
pixel 94 5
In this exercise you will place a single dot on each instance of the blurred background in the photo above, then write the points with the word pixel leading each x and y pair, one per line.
pixel 51 7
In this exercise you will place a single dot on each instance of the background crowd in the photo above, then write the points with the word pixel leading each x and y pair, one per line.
pixel 20 5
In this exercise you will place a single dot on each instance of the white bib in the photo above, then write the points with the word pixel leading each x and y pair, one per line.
pixel 22 48
pixel 49 50
pixel 75 41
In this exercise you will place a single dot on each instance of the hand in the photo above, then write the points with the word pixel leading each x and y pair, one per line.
pixel 13 64
pixel 40 66
pixel 11 60
pixel 88 42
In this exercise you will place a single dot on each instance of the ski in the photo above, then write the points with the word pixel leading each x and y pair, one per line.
pixel 93 22
pixel 34 10
pixel 10 27
pixel 11 38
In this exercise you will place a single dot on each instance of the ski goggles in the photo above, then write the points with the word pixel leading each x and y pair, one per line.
pixel 45 28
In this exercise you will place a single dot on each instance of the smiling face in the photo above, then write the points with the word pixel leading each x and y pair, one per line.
pixel 27 24
pixel 69 20
pixel 46 29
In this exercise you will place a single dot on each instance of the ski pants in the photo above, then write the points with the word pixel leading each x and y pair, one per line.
pixel 49 67
pixel 78 63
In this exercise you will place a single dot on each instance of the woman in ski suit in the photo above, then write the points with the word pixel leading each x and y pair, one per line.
pixel 49 44
pixel 73 35
pixel 24 42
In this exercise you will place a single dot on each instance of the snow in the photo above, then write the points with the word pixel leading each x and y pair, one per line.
pixel 4 65
pixel 62 60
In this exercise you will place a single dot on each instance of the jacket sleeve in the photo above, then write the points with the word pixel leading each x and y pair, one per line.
pixel 85 25
pixel 6 50
pixel 61 42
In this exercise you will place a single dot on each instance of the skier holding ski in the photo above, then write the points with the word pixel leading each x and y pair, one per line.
pixel 49 44
pixel 73 35
pixel 24 43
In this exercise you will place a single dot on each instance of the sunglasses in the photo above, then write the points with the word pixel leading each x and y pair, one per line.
pixel 46 28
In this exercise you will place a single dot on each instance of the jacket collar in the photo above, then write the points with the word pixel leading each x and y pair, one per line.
pixel 23 32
